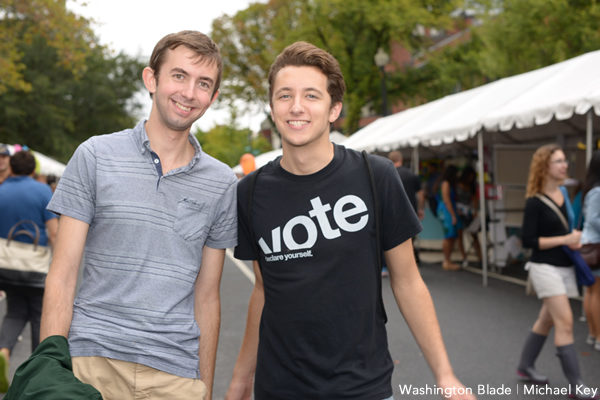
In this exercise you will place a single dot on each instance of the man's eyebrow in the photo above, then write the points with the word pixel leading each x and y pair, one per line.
pixel 311 89
pixel 179 70
pixel 283 89
pixel 308 89
pixel 184 72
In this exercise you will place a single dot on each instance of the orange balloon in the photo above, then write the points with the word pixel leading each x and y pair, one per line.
pixel 247 162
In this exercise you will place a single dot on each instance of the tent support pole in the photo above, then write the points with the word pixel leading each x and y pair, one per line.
pixel 588 138
pixel 482 211
pixel 416 161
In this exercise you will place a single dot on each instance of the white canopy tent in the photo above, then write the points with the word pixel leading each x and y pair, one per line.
pixel 561 99
pixel 557 92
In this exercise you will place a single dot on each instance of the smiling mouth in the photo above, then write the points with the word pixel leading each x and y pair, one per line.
pixel 298 123
pixel 182 107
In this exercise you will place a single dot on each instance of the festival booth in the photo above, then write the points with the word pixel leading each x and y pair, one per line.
pixel 503 122
pixel 45 165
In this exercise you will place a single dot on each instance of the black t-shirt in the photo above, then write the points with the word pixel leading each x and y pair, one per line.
pixel 541 221
pixel 322 331
pixel 411 184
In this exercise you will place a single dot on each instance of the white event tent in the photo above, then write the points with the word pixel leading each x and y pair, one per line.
pixel 561 99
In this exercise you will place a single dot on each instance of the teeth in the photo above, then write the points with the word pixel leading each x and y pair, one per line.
pixel 182 107
pixel 298 123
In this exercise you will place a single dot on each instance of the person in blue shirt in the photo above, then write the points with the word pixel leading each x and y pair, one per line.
pixel 23 199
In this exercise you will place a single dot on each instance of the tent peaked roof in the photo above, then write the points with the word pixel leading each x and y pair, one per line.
pixel 533 98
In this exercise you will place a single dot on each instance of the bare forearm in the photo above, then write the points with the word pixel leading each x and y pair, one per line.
pixel 545 243
pixel 57 310
pixel 246 361
pixel 209 324
pixel 447 200
pixel 417 308
pixel 61 282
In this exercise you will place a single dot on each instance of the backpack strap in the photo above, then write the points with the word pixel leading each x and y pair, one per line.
pixel 378 234
pixel 249 211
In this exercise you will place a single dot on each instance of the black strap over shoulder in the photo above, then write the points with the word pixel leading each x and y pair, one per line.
pixel 378 234
pixel 377 209
pixel 249 211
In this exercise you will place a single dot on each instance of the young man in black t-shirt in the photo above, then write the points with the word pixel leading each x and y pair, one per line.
pixel 316 323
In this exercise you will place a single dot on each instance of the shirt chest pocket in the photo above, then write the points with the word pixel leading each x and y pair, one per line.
pixel 192 219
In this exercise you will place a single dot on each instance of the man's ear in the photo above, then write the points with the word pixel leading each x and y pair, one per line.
pixel 335 111
pixel 214 97
pixel 149 79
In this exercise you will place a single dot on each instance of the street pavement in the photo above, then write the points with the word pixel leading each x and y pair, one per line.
pixel 483 328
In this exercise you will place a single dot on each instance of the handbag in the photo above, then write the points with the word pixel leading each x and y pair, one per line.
pixel 582 269
pixel 24 264
pixel 591 255
pixel 590 252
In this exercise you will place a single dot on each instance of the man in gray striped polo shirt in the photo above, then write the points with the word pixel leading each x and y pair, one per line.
pixel 154 215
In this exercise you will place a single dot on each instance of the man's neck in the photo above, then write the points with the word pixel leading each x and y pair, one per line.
pixel 173 148
pixel 4 174
pixel 307 160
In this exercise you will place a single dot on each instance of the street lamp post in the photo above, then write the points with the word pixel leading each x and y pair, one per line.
pixel 381 60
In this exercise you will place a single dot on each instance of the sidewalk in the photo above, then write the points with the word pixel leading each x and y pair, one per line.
pixel 483 328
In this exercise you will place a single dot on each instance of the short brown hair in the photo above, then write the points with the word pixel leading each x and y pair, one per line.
pixel 540 163
pixel 395 156
pixel 303 54
pixel 22 163
pixel 198 42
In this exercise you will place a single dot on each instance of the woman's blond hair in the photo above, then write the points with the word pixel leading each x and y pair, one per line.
pixel 538 170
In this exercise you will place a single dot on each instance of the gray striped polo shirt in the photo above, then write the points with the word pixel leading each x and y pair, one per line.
pixel 144 247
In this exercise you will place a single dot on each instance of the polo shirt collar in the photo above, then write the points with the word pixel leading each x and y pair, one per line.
pixel 143 143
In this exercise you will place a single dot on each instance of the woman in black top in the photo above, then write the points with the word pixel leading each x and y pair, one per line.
pixel 550 269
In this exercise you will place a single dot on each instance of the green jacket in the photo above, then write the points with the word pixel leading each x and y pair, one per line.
pixel 48 375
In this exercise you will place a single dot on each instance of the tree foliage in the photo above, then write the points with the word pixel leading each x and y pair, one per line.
pixel 351 30
pixel 22 21
pixel 227 143
pixel 515 36
pixel 63 109
pixel 531 34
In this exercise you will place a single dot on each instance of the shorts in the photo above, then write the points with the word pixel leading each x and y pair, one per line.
pixel 122 380
pixel 550 281
pixel 450 231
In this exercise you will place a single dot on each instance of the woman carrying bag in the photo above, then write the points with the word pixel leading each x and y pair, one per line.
pixel 590 236
pixel 550 268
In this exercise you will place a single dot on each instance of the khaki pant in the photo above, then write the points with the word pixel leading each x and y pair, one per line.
pixel 121 380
